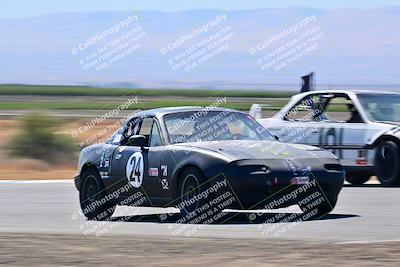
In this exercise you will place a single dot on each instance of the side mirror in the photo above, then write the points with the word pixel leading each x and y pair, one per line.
pixel 137 140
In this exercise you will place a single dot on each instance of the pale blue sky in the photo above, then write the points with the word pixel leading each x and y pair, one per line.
pixel 26 8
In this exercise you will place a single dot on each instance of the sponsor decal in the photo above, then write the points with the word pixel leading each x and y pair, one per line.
pixel 300 180
pixel 134 169
pixel 153 171
pixel 164 184
pixel 296 168
pixel 105 158
pixel 164 169
pixel 136 129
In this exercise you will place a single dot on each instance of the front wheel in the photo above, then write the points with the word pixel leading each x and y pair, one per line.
pixel 92 197
pixel 192 184
pixel 386 163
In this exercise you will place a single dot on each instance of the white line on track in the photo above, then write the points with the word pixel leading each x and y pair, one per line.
pixel 367 242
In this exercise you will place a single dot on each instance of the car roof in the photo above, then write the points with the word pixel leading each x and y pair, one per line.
pixel 355 92
pixel 171 110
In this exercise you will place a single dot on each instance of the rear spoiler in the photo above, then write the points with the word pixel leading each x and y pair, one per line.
pixel 307 83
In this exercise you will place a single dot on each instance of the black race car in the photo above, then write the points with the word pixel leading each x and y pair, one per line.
pixel 203 160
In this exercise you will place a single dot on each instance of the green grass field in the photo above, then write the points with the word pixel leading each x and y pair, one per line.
pixel 235 99
pixel 15 89
pixel 98 106
pixel 154 97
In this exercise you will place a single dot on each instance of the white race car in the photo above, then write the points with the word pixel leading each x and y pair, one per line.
pixel 362 128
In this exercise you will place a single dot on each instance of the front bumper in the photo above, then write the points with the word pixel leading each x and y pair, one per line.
pixel 254 187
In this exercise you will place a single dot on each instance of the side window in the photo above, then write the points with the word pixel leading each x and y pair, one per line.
pixel 307 109
pixel 341 109
pixel 155 138
pixel 145 128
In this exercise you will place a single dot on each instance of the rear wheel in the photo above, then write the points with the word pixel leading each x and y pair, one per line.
pixel 357 180
pixel 386 163
pixel 92 197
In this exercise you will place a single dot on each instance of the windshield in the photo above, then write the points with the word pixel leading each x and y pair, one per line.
pixel 203 125
pixel 381 107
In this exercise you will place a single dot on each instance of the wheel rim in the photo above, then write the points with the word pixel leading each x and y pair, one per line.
pixel 91 192
pixel 189 190
pixel 387 162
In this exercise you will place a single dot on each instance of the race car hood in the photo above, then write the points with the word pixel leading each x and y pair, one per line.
pixel 393 131
pixel 245 149
pixel 376 129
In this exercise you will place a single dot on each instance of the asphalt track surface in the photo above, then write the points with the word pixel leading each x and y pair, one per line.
pixel 363 214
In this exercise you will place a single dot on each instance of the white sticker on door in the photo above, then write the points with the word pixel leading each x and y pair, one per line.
pixel 134 169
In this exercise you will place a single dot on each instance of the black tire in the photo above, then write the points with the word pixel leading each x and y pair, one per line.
pixel 387 163
pixel 357 180
pixel 92 197
pixel 192 183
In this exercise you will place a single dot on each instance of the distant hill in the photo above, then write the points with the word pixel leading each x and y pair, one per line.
pixel 358 47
